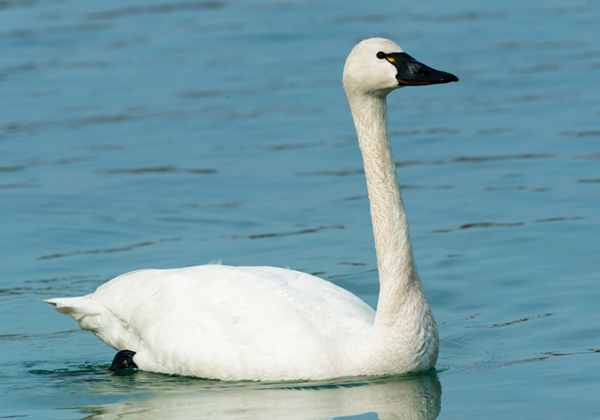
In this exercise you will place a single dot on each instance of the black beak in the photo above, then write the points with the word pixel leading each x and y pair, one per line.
pixel 413 73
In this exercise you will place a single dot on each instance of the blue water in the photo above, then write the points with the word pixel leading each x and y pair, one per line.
pixel 164 134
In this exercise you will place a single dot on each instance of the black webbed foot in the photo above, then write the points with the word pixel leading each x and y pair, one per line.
pixel 123 360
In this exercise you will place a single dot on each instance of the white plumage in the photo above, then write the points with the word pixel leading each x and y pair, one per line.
pixel 224 322
pixel 266 323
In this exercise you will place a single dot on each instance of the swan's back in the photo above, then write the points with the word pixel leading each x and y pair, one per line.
pixel 226 322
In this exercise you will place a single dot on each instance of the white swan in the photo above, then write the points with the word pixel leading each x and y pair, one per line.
pixel 266 323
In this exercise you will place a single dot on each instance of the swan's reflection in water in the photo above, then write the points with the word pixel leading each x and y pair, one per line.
pixel 408 397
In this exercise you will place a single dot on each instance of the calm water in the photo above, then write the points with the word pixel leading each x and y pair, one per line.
pixel 163 134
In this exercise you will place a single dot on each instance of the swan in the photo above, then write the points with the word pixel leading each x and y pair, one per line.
pixel 273 324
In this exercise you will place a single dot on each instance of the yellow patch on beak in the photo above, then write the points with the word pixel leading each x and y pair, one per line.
pixel 390 59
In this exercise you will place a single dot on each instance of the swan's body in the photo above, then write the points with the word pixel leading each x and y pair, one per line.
pixel 265 323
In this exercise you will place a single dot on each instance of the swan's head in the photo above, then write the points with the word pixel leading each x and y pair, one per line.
pixel 376 66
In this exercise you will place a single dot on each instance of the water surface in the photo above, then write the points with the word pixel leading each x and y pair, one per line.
pixel 162 134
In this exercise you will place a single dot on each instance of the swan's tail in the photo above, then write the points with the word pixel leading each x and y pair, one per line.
pixel 93 316
pixel 77 307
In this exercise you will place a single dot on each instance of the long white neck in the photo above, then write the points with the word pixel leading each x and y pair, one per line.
pixel 398 275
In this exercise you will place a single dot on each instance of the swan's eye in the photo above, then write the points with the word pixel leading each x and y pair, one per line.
pixel 381 55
